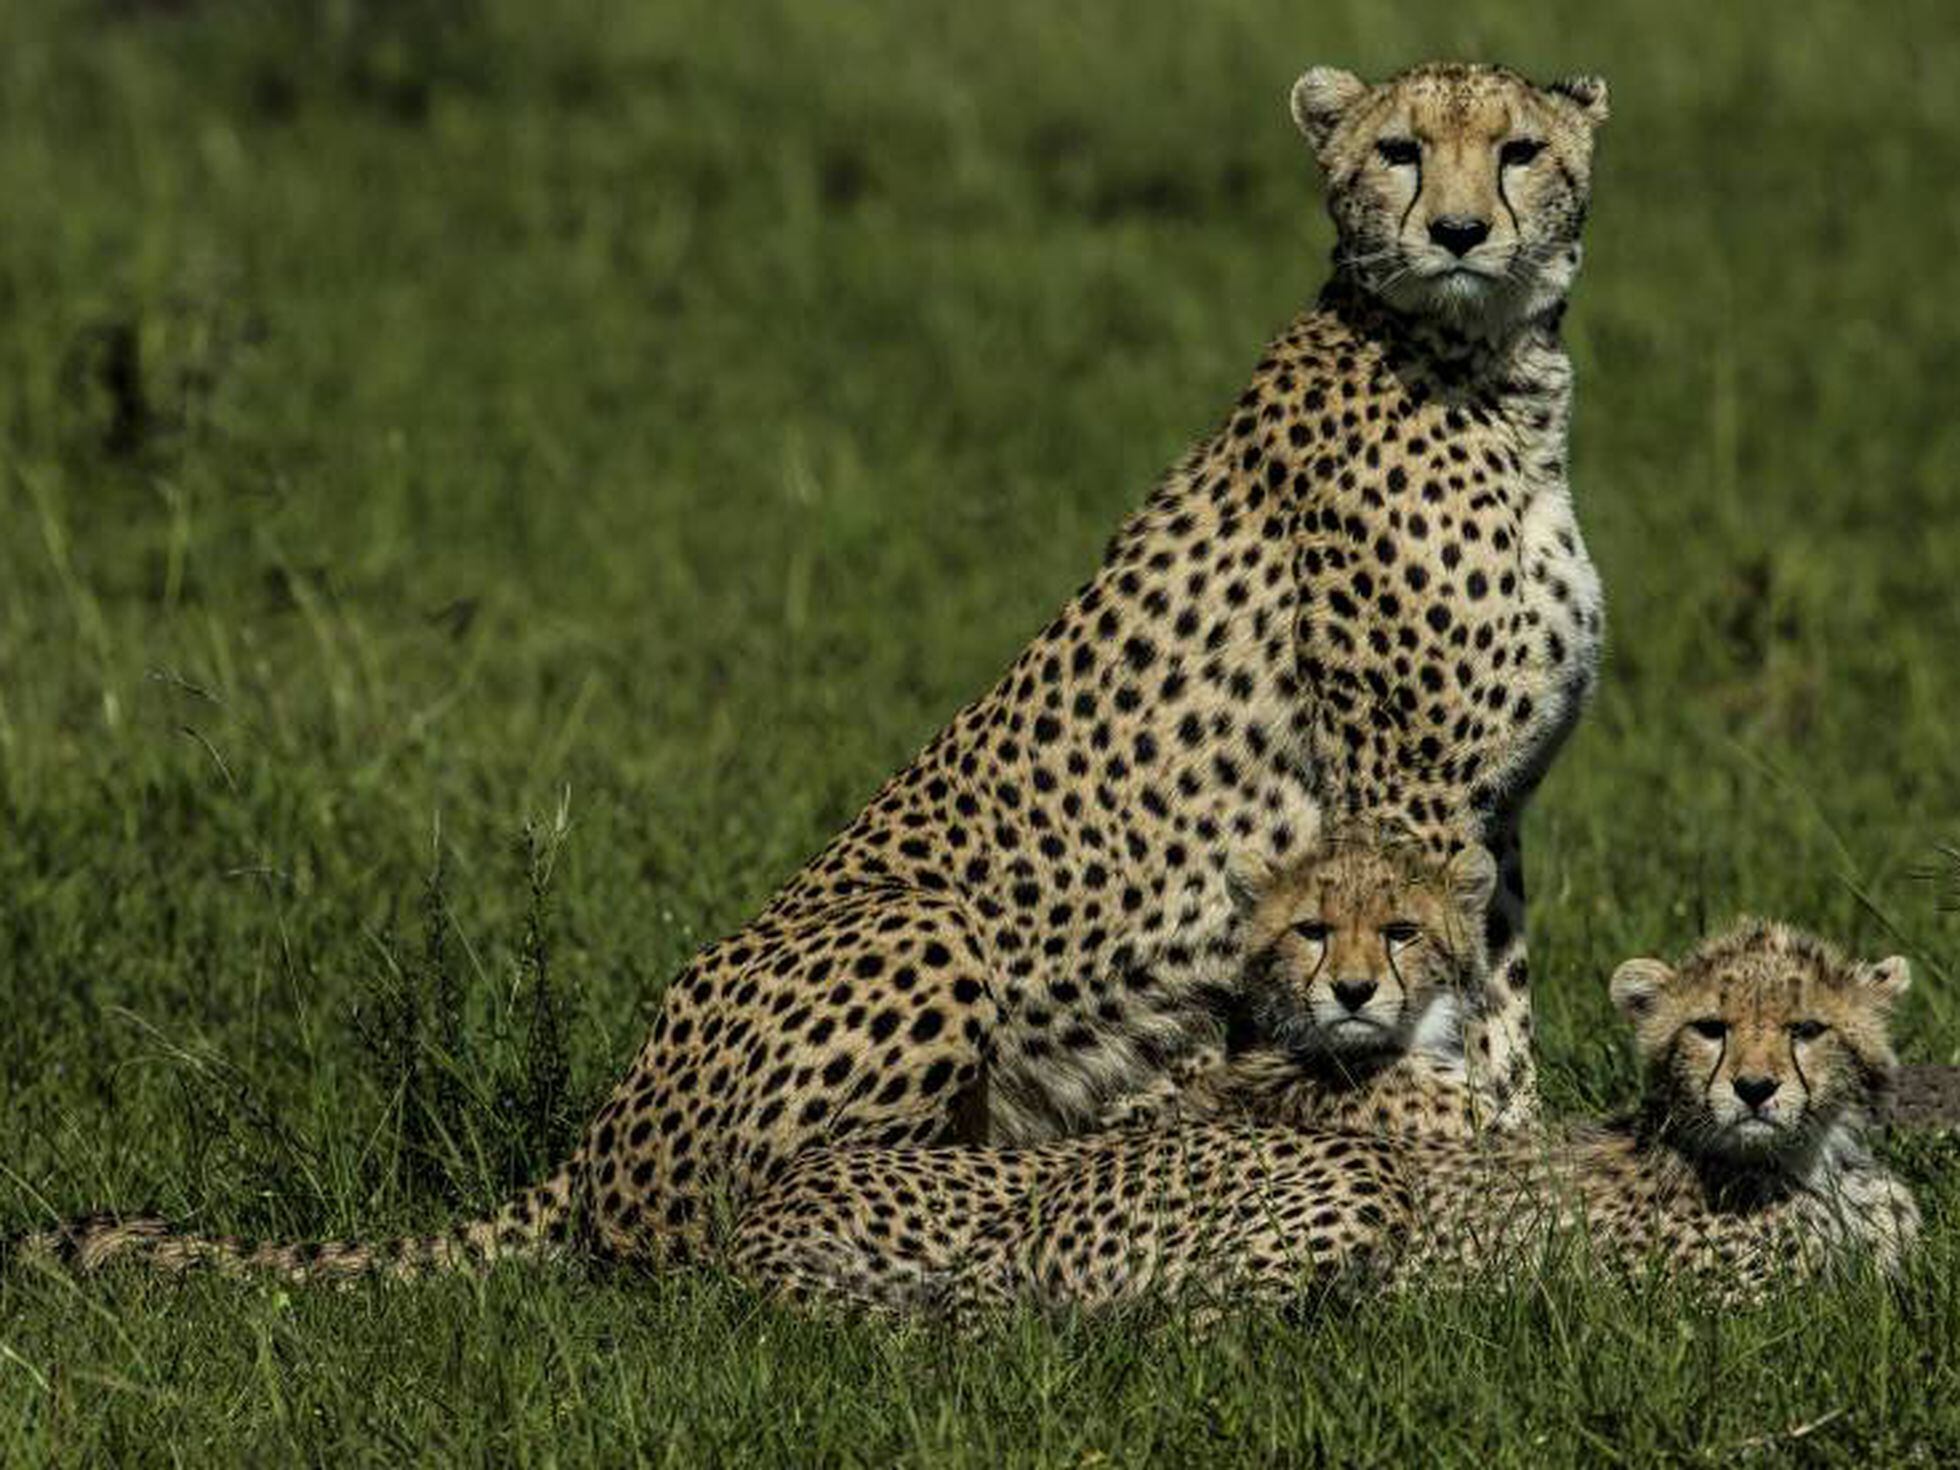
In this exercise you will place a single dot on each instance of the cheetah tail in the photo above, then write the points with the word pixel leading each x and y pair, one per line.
pixel 534 1223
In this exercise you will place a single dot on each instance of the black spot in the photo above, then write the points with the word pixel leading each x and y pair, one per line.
pixel 928 1025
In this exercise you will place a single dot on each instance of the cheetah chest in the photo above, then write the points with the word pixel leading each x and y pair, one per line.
pixel 1450 617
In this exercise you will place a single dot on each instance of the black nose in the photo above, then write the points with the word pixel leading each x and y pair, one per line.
pixel 1354 994
pixel 1459 233
pixel 1755 1091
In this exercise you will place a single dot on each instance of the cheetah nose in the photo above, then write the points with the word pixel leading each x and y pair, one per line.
pixel 1354 994
pixel 1755 1091
pixel 1459 233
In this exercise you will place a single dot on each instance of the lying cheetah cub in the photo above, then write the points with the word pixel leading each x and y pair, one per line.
pixel 1765 1053
pixel 1359 960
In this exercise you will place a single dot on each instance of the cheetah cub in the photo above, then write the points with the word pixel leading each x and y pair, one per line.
pixel 1359 960
pixel 1765 1053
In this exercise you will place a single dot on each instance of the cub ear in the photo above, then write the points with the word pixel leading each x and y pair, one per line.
pixel 1637 984
pixel 1889 979
pixel 1587 93
pixel 1472 876
pixel 1321 98
pixel 1247 878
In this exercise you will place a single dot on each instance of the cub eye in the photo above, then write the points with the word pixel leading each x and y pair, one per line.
pixel 1399 152
pixel 1519 151
pixel 1807 1030
pixel 1311 930
pixel 1400 932
pixel 1712 1027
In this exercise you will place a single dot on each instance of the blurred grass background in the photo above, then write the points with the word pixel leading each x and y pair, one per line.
pixel 486 492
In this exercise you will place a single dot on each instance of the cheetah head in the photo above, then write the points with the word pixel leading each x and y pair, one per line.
pixel 1458 190
pixel 1362 950
pixel 1764 1047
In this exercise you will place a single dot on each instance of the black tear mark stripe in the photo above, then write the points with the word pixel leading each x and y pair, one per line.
pixel 1796 1063
pixel 1721 1055
pixel 1414 200
pixel 1504 198
pixel 1320 963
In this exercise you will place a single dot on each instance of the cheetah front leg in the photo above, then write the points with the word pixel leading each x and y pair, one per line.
pixel 1497 1037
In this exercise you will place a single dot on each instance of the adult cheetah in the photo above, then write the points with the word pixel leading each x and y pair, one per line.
pixel 1765 1055
pixel 1366 587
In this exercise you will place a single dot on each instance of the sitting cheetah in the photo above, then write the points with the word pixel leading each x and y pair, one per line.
pixel 1357 962
pixel 1367 580
pixel 1765 1054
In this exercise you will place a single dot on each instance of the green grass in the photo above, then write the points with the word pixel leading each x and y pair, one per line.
pixel 420 420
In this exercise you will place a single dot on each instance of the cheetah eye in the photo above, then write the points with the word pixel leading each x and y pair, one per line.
pixel 1807 1030
pixel 1400 932
pixel 1399 152
pixel 1311 930
pixel 1519 151
pixel 1714 1028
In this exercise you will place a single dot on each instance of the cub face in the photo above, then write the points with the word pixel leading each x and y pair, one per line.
pixel 1762 1042
pixel 1360 950
pixel 1458 191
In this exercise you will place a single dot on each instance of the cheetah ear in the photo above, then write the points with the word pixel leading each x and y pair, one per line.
pixel 1637 984
pixel 1472 876
pixel 1889 979
pixel 1321 98
pixel 1587 93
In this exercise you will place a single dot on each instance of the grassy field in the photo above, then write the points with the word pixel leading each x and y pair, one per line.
pixel 485 492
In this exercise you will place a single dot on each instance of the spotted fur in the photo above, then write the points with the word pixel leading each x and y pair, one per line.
pixel 535 1223
pixel 1232 1211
